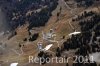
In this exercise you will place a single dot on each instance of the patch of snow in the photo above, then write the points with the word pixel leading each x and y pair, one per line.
pixel 13 64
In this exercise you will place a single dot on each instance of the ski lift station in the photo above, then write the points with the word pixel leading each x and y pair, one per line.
pixel 48 35
pixel 40 46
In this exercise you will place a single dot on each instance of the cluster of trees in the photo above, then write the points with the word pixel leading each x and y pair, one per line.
pixel 34 37
pixel 58 52
pixel 18 9
pixel 86 3
pixel 79 41
pixel 88 20
pixel 44 56
pixel 41 18
pixel 84 15
pixel 84 42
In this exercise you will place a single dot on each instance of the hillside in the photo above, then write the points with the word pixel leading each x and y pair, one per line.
pixel 30 20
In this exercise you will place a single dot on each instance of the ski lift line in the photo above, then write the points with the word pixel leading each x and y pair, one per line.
pixel 71 10
pixel 16 52
pixel 2 48
pixel 44 37
pixel 91 38
pixel 66 5
pixel 71 25
pixel 22 50
pixel 57 43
